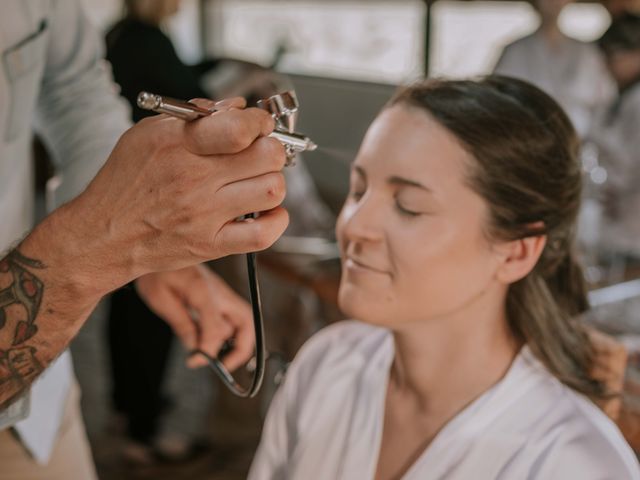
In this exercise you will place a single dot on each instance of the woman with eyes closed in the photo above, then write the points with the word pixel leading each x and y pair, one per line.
pixel 465 360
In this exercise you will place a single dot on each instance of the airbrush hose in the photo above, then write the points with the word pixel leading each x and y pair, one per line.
pixel 283 108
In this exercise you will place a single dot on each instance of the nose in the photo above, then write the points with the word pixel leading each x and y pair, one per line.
pixel 361 220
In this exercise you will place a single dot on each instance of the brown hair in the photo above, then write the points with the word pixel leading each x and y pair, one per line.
pixel 527 171
pixel 149 11
pixel 622 35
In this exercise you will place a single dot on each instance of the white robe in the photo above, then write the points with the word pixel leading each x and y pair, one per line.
pixel 573 73
pixel 326 422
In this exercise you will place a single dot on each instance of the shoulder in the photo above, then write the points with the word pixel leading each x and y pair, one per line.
pixel 570 437
pixel 513 56
pixel 584 443
pixel 522 43
pixel 349 337
pixel 338 352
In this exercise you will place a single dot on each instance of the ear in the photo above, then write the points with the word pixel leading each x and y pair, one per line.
pixel 519 257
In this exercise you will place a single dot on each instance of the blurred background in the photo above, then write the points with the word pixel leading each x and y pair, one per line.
pixel 345 59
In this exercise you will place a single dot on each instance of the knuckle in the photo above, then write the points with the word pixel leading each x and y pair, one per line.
pixel 239 132
pixel 203 102
pixel 275 186
pixel 273 151
pixel 226 330
pixel 262 237
pixel 181 329
pixel 196 136
pixel 264 118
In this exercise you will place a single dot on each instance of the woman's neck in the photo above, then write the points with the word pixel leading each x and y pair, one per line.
pixel 551 33
pixel 444 364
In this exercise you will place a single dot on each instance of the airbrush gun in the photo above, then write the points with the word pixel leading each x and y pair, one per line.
pixel 284 109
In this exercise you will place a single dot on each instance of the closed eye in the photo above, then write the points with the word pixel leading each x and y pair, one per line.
pixel 406 212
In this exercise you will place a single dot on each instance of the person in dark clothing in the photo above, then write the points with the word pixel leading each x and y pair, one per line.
pixel 143 58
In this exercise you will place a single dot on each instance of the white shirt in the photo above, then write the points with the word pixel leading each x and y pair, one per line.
pixel 326 422
pixel 52 77
pixel 572 72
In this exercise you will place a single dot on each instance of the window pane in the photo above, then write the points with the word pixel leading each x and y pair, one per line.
pixel 378 41
pixel 468 37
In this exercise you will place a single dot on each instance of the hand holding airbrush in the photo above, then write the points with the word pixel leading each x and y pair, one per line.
pixel 284 109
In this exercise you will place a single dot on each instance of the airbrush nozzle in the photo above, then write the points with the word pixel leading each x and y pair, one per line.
pixel 282 107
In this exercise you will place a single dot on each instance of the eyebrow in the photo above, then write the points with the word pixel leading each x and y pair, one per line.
pixel 406 182
pixel 395 180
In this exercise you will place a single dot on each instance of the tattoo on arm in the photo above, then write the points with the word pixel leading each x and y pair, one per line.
pixel 20 299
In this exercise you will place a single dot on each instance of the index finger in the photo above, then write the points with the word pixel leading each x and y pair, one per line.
pixel 227 132
pixel 220 105
pixel 242 352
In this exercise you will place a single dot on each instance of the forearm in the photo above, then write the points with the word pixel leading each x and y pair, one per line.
pixel 43 304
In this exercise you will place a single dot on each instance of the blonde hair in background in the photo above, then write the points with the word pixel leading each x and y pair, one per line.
pixel 151 11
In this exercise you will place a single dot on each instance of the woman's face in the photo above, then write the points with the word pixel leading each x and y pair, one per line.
pixel 624 66
pixel 411 231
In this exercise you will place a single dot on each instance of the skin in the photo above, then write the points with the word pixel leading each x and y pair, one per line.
pixel 203 312
pixel 155 12
pixel 166 200
pixel 417 260
pixel 624 66
pixel 550 10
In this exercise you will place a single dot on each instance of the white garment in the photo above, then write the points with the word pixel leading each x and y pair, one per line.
pixel 572 72
pixel 616 135
pixel 52 77
pixel 326 422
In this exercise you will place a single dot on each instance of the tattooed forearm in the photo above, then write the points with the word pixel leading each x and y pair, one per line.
pixel 20 299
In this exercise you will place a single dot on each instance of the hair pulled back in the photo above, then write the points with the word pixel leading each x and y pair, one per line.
pixel 526 169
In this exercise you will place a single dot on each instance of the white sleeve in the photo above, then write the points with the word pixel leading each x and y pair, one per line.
pixel 589 456
pixel 280 430
pixel 271 458
pixel 79 113
pixel 296 401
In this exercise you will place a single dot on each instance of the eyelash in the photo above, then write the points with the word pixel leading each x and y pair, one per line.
pixel 405 212
pixel 357 195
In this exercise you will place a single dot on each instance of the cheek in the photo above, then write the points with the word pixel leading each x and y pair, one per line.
pixel 441 271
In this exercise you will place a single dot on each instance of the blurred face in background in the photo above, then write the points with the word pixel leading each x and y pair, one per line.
pixel 153 11
pixel 411 232
pixel 624 66
pixel 617 8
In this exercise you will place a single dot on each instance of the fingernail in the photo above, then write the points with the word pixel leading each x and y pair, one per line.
pixel 194 363
pixel 223 103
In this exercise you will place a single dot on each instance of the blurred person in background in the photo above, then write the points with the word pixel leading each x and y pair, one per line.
pixel 143 57
pixel 569 70
pixel 616 135
pixel 617 8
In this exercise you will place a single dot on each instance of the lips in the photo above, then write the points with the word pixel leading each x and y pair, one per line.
pixel 358 264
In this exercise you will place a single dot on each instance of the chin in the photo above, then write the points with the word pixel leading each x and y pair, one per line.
pixel 364 306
